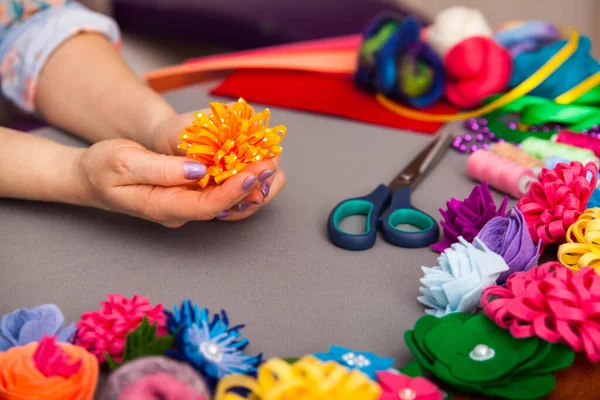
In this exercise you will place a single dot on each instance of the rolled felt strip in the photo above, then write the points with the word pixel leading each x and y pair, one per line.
pixel 510 151
pixel 544 149
pixel 500 173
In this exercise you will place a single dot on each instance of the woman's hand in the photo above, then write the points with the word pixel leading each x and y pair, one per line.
pixel 122 176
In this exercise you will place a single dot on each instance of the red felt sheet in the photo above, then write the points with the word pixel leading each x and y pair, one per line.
pixel 320 93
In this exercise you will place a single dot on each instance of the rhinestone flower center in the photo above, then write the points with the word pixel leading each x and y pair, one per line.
pixel 482 352
pixel 211 351
pixel 354 360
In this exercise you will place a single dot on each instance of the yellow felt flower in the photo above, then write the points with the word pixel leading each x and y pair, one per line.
pixel 229 139
pixel 306 379
pixel 583 242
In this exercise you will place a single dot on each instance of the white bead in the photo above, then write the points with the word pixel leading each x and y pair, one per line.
pixel 482 352
pixel 407 394
pixel 212 351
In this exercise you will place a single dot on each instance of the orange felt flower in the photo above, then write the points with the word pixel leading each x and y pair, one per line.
pixel 229 139
pixel 20 379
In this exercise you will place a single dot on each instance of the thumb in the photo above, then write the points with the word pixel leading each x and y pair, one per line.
pixel 150 168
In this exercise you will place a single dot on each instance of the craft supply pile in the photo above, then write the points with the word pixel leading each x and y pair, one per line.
pixel 497 322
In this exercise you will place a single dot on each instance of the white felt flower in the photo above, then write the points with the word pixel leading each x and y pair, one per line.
pixel 457 284
pixel 455 24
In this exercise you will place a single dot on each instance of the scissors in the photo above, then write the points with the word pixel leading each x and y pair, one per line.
pixel 396 198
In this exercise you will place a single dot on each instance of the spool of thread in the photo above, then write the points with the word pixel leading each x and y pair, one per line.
pixel 579 140
pixel 510 151
pixel 545 149
pixel 500 173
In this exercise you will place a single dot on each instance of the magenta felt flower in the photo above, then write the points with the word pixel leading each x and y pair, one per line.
pixel 396 386
pixel 466 218
pixel 105 330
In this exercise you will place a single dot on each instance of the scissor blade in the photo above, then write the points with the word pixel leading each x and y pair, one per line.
pixel 412 173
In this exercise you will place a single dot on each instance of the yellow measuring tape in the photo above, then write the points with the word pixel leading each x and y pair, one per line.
pixel 521 90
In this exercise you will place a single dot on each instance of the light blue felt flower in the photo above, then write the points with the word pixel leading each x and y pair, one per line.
pixel 367 363
pixel 457 284
pixel 29 325
pixel 211 346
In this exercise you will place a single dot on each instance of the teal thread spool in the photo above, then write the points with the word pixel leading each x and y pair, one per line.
pixel 543 149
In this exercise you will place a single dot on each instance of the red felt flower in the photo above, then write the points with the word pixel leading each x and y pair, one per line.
pixel 556 201
pixel 105 330
pixel 551 302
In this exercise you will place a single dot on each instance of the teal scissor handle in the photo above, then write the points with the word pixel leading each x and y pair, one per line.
pixel 402 212
pixel 371 206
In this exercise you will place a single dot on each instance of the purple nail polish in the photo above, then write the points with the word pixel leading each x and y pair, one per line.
pixel 194 171
pixel 266 174
pixel 223 214
pixel 249 182
pixel 264 188
pixel 244 207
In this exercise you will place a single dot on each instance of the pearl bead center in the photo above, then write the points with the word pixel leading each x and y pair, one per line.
pixel 482 352
pixel 358 361
pixel 212 351
pixel 407 394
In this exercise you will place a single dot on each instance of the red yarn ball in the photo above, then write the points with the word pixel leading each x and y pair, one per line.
pixel 556 201
pixel 551 302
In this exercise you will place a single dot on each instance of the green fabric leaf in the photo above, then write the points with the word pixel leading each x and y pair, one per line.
pixel 143 342
pixel 528 367
pixel 523 388
pixel 560 357
pixel 442 372
pixel 412 369
pixel 411 343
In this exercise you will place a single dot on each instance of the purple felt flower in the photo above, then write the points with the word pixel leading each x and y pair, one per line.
pixel 466 218
pixel 510 238
pixel 29 325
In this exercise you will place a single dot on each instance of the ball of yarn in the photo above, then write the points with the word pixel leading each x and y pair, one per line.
pixel 556 200
pixel 453 25
pixel 583 242
pixel 500 173
pixel 550 302
pixel 477 67
pixel 579 140
pixel 143 374
pixel 466 218
pixel 105 330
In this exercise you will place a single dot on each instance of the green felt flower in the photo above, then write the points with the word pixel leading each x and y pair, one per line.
pixel 474 355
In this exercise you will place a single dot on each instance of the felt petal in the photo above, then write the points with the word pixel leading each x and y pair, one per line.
pixel 529 387
pixel 32 331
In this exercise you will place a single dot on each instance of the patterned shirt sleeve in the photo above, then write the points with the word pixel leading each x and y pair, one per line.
pixel 30 30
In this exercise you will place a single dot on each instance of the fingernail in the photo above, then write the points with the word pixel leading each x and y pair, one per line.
pixel 266 174
pixel 194 171
pixel 264 188
pixel 223 214
pixel 244 207
pixel 249 182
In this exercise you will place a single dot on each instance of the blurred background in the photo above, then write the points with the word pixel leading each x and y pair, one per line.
pixel 164 32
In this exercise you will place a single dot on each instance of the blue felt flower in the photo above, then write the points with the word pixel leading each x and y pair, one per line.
pixel 457 284
pixel 367 363
pixel 29 325
pixel 210 345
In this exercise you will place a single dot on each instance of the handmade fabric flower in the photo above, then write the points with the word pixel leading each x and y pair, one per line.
pixel 29 325
pixel 48 370
pixel 510 238
pixel 229 139
pixel 211 346
pixel 457 284
pixel 551 302
pixel 367 363
pixel 556 201
pixel 105 330
pixel 153 378
pixel 466 218
pixel 306 379
pixel 583 243
pixel 473 355
pixel 401 387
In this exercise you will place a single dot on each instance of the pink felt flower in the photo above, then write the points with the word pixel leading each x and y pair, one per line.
pixel 105 330
pixel 556 201
pixel 51 360
pixel 397 386
pixel 551 302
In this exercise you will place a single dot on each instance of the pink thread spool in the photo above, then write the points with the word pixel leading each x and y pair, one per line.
pixel 579 140
pixel 500 173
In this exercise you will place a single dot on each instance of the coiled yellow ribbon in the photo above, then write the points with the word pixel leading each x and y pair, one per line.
pixel 583 243
pixel 306 379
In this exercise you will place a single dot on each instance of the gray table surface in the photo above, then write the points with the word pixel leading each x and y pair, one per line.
pixel 277 272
